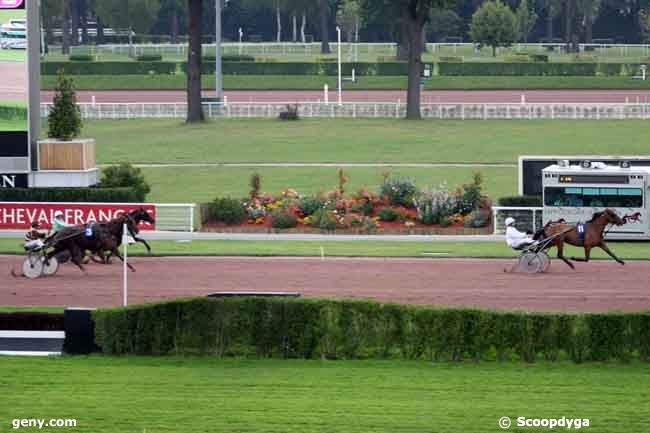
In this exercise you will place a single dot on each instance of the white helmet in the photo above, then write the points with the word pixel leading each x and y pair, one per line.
pixel 58 214
pixel 510 221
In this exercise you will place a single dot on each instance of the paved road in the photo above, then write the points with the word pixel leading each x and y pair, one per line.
pixel 474 96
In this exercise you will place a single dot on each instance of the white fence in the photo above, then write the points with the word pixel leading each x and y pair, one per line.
pixel 464 111
pixel 175 217
pixel 289 49
pixel 527 218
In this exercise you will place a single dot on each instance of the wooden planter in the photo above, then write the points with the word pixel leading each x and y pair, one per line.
pixel 74 155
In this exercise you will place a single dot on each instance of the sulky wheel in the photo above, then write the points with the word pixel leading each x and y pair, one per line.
pixel 530 263
pixel 546 261
pixel 33 266
pixel 50 266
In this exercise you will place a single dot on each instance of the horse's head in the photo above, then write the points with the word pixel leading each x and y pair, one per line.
pixel 140 215
pixel 608 216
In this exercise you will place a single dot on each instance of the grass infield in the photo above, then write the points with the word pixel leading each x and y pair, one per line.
pixel 207 395
pixel 339 248
pixel 308 82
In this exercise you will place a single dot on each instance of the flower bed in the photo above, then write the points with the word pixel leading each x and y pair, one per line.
pixel 399 207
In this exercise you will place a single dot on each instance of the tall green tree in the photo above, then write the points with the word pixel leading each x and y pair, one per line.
pixel 589 10
pixel 51 13
pixel 526 19
pixel 194 107
pixel 348 18
pixel 494 25
pixel 412 16
pixel 138 16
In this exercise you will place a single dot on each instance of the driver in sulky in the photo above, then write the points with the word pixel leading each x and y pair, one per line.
pixel 516 239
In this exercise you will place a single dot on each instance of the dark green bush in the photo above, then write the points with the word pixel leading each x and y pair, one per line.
pixel 387 214
pixel 324 219
pixel 539 58
pixel 81 58
pixel 283 219
pixel 312 328
pixel 521 201
pixel 538 68
pixel 64 118
pixel 149 58
pixel 230 58
pixel 227 210
pixel 89 195
pixel 125 176
pixel 109 68
pixel 399 191
pixel 309 205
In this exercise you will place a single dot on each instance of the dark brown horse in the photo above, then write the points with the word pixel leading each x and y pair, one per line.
pixel 137 216
pixel 588 235
pixel 106 237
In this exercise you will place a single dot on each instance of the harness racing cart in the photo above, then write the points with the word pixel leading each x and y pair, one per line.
pixel 533 258
pixel 37 263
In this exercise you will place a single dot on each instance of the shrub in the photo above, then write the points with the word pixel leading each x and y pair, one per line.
pixel 125 175
pixel 64 120
pixel 81 58
pixel 347 329
pixel 149 58
pixel 399 191
pixel 451 59
pixel 87 195
pixel 543 58
pixel 309 205
pixel 521 201
pixel 477 218
pixel 256 185
pixel 230 58
pixel 387 214
pixel 324 219
pixel 227 210
pixel 109 68
pixel 471 196
pixel 283 219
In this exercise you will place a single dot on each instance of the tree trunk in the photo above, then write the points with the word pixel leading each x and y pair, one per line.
pixel 74 6
pixel 65 46
pixel 278 20
pixel 424 39
pixel 324 33
pixel 494 50
pixel 295 28
pixel 569 17
pixel 83 15
pixel 194 108
pixel 403 44
pixel 173 33
pixel 47 25
pixel 549 25
pixel 588 25
pixel 415 69
pixel 303 26
pixel 100 31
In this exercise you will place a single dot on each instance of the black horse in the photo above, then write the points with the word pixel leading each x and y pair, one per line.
pixel 105 237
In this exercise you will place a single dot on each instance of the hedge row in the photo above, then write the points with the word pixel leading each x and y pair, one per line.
pixel 8 112
pixel 521 200
pixel 361 69
pixel 314 329
pixel 91 195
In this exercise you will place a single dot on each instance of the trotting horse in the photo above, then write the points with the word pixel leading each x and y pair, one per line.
pixel 138 216
pixel 588 235
pixel 105 238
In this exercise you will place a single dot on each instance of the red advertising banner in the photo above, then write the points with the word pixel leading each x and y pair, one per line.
pixel 17 215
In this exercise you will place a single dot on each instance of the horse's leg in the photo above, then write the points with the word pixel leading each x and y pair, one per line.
pixel 77 256
pixel 587 255
pixel 144 242
pixel 560 255
pixel 603 246
pixel 119 256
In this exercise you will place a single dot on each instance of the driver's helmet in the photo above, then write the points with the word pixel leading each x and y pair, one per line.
pixel 510 221
pixel 58 214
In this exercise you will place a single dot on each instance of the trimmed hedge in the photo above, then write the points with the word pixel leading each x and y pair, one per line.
pixel 521 200
pixel 81 58
pixel 149 58
pixel 91 195
pixel 302 328
pixel 452 68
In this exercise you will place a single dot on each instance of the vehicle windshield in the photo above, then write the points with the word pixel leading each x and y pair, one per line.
pixel 593 197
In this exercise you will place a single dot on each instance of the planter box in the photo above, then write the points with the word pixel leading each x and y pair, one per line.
pixel 74 155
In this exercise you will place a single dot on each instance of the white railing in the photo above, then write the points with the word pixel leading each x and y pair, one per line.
pixel 466 49
pixel 453 111
pixel 175 217
pixel 528 218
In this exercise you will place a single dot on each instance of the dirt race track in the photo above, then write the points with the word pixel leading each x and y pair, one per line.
pixel 596 286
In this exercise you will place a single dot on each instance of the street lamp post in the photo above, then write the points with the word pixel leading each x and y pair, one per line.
pixel 338 32
pixel 217 56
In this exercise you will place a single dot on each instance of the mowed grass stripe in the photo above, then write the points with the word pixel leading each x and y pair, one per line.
pixel 208 395
pixel 359 140
pixel 203 184
pixel 340 248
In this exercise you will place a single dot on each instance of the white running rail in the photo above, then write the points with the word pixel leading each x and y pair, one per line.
pixel 175 217
pixel 528 218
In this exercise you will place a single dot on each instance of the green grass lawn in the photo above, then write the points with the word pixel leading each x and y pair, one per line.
pixel 305 82
pixel 13 56
pixel 359 140
pixel 334 248
pixel 203 184
pixel 107 395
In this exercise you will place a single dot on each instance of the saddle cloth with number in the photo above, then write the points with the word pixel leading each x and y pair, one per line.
pixel 580 228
